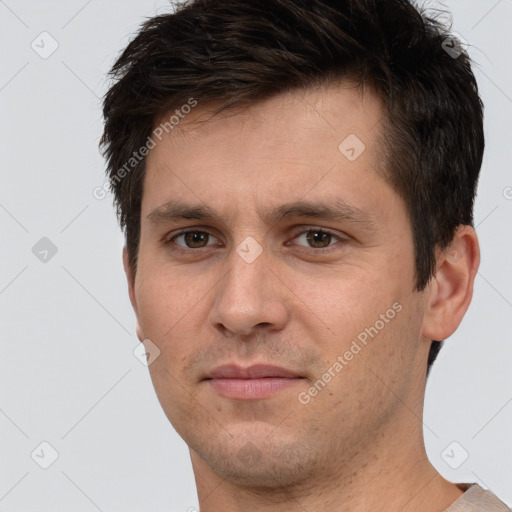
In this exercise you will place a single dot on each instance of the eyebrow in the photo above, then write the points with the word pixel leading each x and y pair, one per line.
pixel 338 211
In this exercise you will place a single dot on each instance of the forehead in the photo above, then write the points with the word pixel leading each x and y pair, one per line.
pixel 331 108
pixel 312 141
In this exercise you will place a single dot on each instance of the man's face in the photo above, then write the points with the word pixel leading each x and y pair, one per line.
pixel 325 300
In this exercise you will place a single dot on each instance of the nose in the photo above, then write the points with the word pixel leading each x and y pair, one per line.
pixel 250 298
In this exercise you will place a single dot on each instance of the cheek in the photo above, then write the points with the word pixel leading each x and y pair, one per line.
pixel 165 299
pixel 378 371
pixel 171 316
pixel 358 302
pixel 390 356
pixel 376 321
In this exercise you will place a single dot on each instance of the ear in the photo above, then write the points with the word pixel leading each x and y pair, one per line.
pixel 451 288
pixel 131 290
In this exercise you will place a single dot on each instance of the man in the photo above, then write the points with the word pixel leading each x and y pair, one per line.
pixel 296 182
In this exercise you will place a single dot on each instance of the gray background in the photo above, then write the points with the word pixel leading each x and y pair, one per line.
pixel 68 376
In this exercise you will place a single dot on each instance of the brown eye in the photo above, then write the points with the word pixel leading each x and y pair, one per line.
pixel 195 239
pixel 192 239
pixel 318 239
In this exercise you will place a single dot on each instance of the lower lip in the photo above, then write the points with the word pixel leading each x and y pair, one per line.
pixel 252 389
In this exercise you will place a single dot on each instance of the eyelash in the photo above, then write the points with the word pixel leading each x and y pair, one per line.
pixel 168 241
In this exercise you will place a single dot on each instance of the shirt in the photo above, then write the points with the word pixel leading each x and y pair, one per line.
pixel 476 499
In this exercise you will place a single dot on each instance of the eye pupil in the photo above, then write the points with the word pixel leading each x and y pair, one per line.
pixel 318 238
pixel 195 238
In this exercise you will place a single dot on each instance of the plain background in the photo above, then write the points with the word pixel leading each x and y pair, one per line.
pixel 68 375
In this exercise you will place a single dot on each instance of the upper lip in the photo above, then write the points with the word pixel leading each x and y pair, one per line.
pixel 258 371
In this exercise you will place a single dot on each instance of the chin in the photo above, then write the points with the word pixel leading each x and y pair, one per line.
pixel 260 463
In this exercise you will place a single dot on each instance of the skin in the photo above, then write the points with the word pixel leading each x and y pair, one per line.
pixel 358 443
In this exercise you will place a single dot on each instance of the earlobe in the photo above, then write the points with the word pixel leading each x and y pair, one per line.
pixel 140 336
pixel 451 288
pixel 131 290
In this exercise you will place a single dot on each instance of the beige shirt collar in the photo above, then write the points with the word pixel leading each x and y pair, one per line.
pixel 476 499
